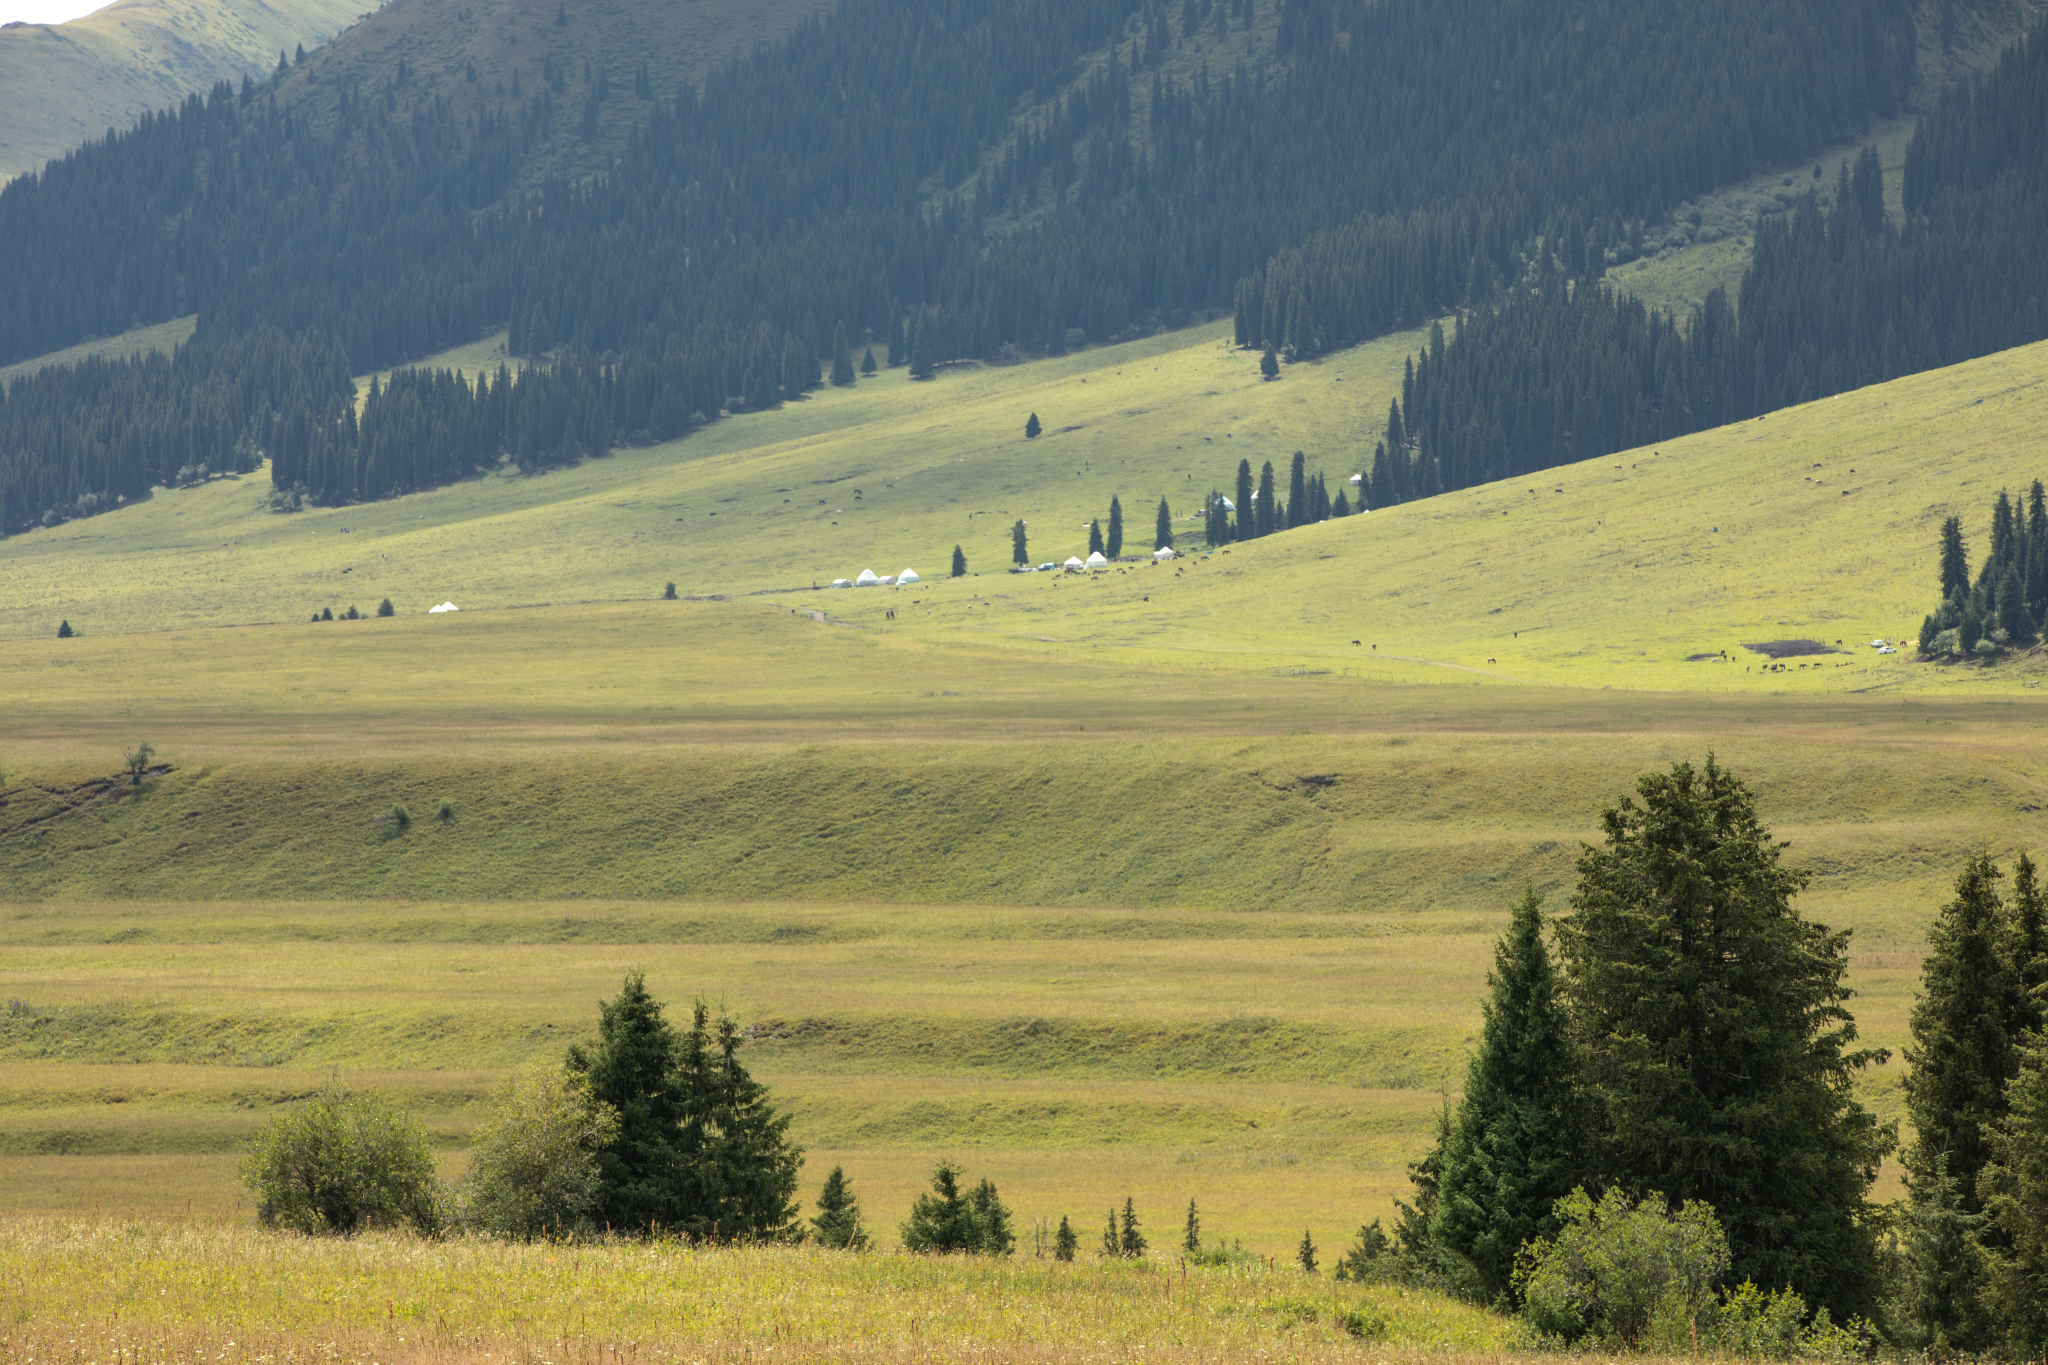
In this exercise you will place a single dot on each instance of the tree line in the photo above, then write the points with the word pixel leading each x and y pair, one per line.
pixel 945 177
pixel 2007 605
pixel 1563 369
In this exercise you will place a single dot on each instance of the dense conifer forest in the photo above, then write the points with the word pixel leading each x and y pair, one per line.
pixel 1835 298
pixel 948 178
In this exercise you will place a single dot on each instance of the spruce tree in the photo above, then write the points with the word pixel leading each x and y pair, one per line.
pixel 1094 537
pixel 1133 1240
pixel 899 346
pixel 838 1221
pixel 1162 527
pixel 668 592
pixel 385 608
pixel 867 361
pixel 1191 1233
pixel 1511 1152
pixel 1305 1254
pixel 1064 1242
pixel 1269 364
pixel 1340 506
pixel 946 1220
pixel 632 1069
pixel 1300 506
pixel 1019 551
pixel 1113 540
pixel 1955 561
pixel 2015 1190
pixel 1032 427
pixel 65 632
pixel 921 362
pixel 959 562
pixel 842 357
pixel 1964 1054
pixel 1713 1037
pixel 1112 1244
pixel 1247 516
pixel 1267 501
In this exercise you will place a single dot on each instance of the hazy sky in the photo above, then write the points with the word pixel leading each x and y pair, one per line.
pixel 46 11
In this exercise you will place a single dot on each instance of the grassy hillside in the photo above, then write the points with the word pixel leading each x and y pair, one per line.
pixel 163 337
pixel 62 84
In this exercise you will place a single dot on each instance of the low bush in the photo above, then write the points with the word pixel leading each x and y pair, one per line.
pixel 1615 1270
pixel 534 1167
pixel 341 1163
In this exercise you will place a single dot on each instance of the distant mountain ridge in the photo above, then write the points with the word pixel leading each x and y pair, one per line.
pixel 62 84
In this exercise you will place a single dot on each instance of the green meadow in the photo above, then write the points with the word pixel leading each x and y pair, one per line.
pixel 1166 881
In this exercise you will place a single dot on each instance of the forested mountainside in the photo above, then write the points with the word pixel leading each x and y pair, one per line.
pixel 1833 299
pixel 64 84
pixel 952 176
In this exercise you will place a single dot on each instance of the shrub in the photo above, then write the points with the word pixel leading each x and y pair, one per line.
pixel 401 819
pixel 1614 1268
pixel 534 1168
pixel 668 593
pixel 1752 1322
pixel 445 812
pixel 1363 1323
pixel 340 1163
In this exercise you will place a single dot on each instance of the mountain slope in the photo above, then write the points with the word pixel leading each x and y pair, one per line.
pixel 62 84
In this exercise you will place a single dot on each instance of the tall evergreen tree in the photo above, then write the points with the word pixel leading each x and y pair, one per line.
pixel 1713 1037
pixel 922 361
pixel 1267 502
pixel 1191 1231
pixel 1512 1151
pixel 632 1069
pixel 1112 1241
pixel 1300 506
pixel 1955 562
pixel 1247 509
pixel 1032 427
pixel 1162 527
pixel 867 360
pixel 2015 1190
pixel 1962 1053
pixel 1020 552
pixel 1113 540
pixel 959 562
pixel 1094 537
pixel 1305 1254
pixel 842 357
pixel 1065 1243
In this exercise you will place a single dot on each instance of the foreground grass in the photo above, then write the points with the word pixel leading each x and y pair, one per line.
pixel 92 1290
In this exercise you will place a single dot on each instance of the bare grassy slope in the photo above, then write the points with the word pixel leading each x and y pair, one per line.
pixel 63 84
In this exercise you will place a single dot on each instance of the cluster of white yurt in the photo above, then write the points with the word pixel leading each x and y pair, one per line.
pixel 445 606
pixel 1163 553
pixel 870 579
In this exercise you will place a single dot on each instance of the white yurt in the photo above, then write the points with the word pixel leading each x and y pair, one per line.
pixel 867 579
pixel 1098 560
pixel 842 582
pixel 1357 480
pixel 1228 505
pixel 445 606
pixel 908 576
pixel 1073 564
pixel 1164 552
pixel 887 581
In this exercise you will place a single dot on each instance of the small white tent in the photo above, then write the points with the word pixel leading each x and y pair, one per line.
pixel 867 579
pixel 1073 563
pixel 1164 552
pixel 887 581
pixel 842 582
pixel 908 576
pixel 1098 561
pixel 445 606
